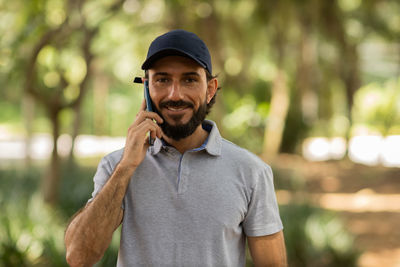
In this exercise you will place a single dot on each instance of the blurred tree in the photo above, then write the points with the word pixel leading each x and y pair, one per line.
pixel 334 28
pixel 287 67
pixel 58 70
pixel 378 106
pixel 280 93
pixel 284 20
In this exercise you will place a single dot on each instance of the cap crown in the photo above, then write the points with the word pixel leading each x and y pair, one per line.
pixel 181 43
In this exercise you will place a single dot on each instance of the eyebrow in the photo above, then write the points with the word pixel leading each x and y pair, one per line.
pixel 191 73
pixel 184 74
pixel 160 74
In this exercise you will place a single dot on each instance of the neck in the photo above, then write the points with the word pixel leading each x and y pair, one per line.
pixel 192 141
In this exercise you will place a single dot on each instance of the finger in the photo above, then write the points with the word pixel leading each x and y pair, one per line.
pixel 159 132
pixel 156 134
pixel 143 105
pixel 155 131
pixel 137 135
pixel 143 128
pixel 146 144
pixel 156 117
pixel 153 134
pixel 149 126
pixel 142 115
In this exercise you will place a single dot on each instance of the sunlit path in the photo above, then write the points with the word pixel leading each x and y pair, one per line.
pixel 366 198
pixel 363 201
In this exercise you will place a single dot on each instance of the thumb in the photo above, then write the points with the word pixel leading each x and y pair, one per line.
pixel 146 144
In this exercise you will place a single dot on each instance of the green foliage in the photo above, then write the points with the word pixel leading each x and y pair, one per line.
pixel 295 129
pixel 378 106
pixel 315 237
pixel 262 37
pixel 246 122
pixel 307 39
pixel 9 112
pixel 31 233
pixel 289 180
pixel 77 186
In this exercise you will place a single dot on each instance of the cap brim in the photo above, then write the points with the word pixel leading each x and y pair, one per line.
pixel 168 52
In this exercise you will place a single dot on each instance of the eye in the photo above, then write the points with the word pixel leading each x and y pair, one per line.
pixel 162 80
pixel 190 80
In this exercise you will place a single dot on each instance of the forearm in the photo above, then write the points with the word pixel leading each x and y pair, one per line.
pixel 90 232
pixel 268 250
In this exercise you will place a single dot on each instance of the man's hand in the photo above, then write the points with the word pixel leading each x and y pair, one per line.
pixel 136 140
pixel 90 232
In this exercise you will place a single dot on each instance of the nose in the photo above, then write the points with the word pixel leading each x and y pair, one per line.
pixel 175 92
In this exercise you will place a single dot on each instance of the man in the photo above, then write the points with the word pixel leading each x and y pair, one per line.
pixel 191 199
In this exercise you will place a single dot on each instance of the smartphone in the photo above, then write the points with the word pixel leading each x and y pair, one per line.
pixel 149 106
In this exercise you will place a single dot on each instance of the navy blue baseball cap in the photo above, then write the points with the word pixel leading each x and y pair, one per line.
pixel 178 43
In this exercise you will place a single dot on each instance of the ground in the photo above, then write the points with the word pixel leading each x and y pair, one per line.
pixel 367 198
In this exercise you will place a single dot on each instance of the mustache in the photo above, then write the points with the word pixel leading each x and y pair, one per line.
pixel 176 104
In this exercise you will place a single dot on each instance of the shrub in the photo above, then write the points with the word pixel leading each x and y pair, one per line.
pixel 316 237
pixel 32 233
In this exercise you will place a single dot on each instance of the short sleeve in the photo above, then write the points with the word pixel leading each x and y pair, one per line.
pixel 103 173
pixel 262 217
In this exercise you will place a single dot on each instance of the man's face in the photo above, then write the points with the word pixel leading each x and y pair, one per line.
pixel 180 93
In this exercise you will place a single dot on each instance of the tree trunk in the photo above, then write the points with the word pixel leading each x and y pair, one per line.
pixel 100 97
pixel 277 117
pixel 305 77
pixel 280 97
pixel 52 176
pixel 28 111
pixel 207 28
pixel 75 131
pixel 348 60
pixel 350 73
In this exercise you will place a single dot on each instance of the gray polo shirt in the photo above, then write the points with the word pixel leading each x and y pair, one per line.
pixel 193 209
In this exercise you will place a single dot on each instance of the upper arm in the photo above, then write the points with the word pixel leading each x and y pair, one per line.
pixel 268 250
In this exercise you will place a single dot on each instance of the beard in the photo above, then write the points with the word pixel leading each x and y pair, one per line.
pixel 180 131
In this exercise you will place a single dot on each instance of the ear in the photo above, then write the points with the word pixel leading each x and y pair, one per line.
pixel 212 87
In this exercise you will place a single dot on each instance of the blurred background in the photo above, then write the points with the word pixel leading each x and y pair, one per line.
pixel 312 87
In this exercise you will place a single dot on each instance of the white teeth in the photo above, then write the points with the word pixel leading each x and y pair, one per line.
pixel 176 109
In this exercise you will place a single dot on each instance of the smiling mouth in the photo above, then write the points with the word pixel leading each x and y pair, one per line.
pixel 177 108
pixel 176 112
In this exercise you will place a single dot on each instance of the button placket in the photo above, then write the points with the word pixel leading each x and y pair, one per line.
pixel 181 174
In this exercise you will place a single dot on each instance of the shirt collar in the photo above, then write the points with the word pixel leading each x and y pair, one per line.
pixel 212 144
